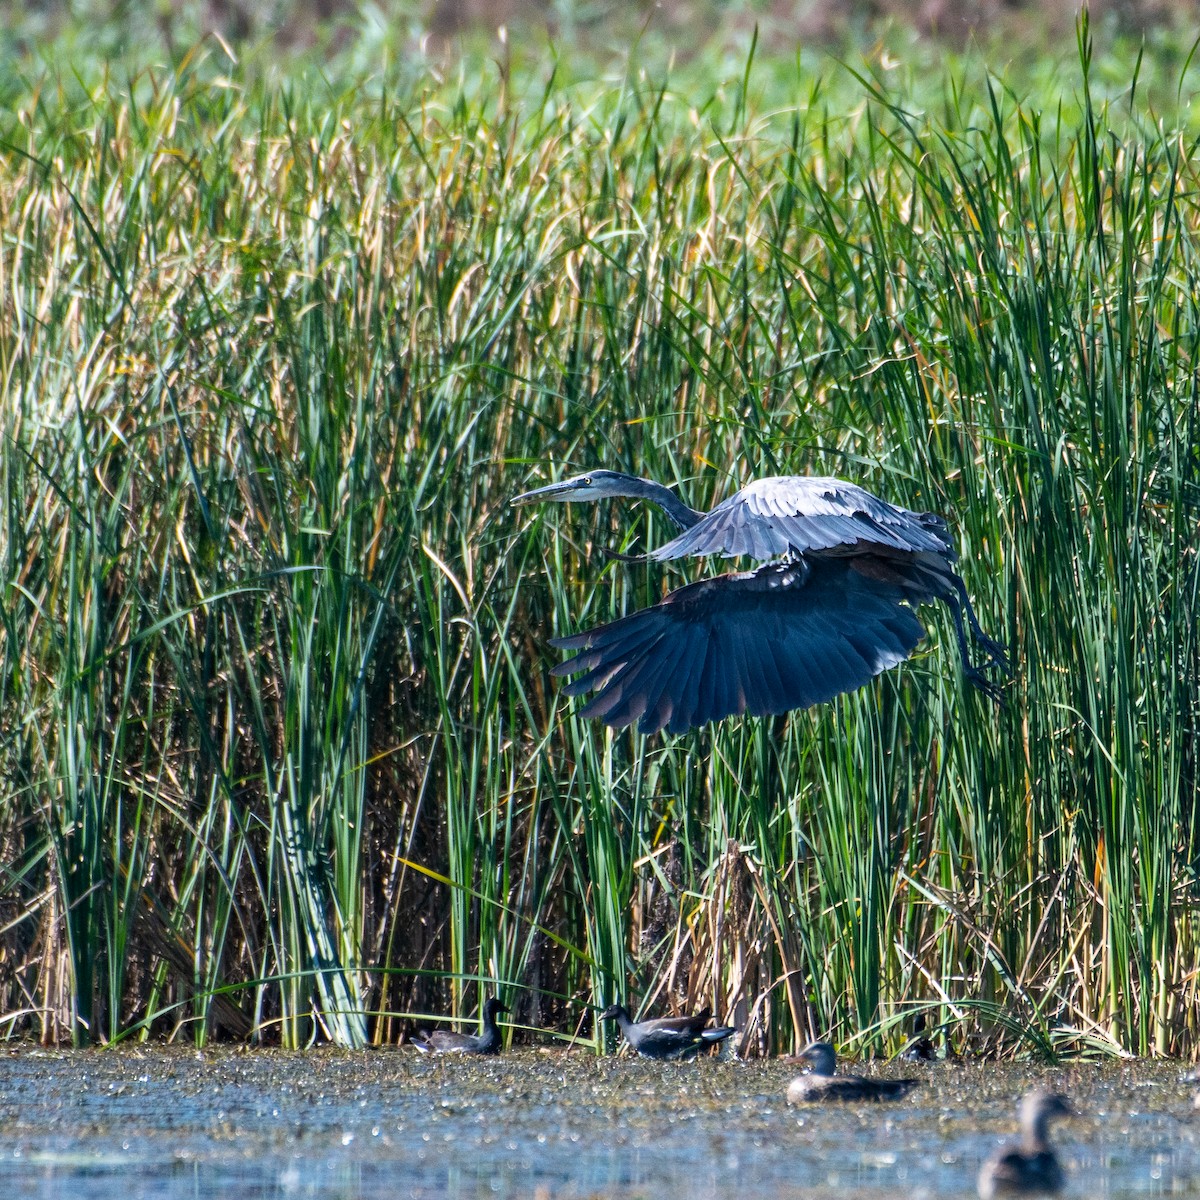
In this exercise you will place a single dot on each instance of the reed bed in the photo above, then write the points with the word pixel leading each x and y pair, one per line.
pixel 281 756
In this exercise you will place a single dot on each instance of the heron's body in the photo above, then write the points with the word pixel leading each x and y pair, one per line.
pixel 1030 1168
pixel 823 1086
pixel 832 611
pixel 667 1037
pixel 445 1041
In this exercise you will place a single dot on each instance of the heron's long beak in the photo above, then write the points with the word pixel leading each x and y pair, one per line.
pixel 554 491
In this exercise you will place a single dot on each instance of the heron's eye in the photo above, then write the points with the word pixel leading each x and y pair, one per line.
pixel 586 481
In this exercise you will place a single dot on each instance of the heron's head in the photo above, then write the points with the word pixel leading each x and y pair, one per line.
pixel 822 1057
pixel 594 485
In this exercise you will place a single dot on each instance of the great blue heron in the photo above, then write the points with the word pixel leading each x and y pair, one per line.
pixel 826 615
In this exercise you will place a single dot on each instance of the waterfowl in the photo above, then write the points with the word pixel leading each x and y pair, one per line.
pixel 821 1084
pixel 919 1047
pixel 667 1037
pixel 1030 1168
pixel 919 1050
pixel 445 1041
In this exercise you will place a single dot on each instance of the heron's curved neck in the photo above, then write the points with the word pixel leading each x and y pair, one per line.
pixel 665 498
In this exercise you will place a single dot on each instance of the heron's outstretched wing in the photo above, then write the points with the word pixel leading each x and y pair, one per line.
pixel 795 514
pixel 785 636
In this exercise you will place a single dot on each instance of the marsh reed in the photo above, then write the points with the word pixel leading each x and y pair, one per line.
pixel 281 756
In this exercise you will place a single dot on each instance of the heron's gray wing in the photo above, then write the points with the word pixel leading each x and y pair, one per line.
pixel 785 636
pixel 795 514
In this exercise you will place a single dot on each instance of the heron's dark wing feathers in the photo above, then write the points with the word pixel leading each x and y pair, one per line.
pixel 784 636
pixel 617 644
pixel 793 514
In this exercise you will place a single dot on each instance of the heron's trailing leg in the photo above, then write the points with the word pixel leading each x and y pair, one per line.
pixel 997 652
pixel 996 656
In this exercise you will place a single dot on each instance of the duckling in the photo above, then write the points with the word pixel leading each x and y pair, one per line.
pixel 667 1037
pixel 821 1084
pixel 445 1041
pixel 1031 1167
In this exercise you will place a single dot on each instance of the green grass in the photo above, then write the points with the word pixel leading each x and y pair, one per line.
pixel 281 754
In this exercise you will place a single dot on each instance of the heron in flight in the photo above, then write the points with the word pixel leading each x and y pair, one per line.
pixel 831 608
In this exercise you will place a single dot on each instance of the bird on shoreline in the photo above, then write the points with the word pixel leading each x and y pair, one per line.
pixel 446 1041
pixel 1031 1167
pixel 822 1084
pixel 668 1037
pixel 831 609
pixel 919 1047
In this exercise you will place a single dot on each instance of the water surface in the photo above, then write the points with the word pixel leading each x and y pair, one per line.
pixel 173 1123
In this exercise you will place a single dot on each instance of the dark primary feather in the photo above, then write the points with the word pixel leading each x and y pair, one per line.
pixel 785 636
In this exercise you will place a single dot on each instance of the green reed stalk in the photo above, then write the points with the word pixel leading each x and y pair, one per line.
pixel 281 747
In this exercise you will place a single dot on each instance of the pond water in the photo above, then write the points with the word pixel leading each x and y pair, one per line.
pixel 550 1125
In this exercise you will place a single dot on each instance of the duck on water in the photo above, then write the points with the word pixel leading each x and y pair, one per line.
pixel 822 1085
pixel 1030 1168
